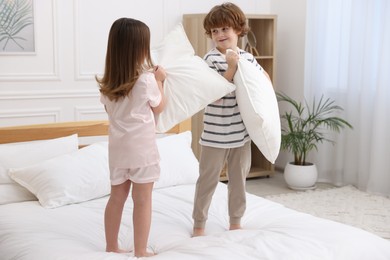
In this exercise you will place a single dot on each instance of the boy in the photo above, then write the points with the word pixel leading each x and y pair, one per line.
pixel 224 138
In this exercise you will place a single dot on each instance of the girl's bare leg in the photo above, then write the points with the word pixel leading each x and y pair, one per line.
pixel 142 215
pixel 113 215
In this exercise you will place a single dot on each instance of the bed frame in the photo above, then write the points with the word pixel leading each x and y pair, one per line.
pixel 55 130
pixel 271 231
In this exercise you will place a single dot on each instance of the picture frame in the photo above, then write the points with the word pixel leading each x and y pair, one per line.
pixel 17 34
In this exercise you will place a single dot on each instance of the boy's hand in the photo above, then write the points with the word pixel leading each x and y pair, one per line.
pixel 159 73
pixel 232 58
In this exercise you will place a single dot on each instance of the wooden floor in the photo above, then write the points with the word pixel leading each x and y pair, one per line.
pixel 273 185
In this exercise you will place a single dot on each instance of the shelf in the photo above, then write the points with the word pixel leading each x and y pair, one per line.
pixel 263 57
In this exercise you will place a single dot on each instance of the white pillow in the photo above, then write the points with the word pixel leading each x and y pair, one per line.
pixel 69 178
pixel 259 110
pixel 26 153
pixel 190 84
pixel 13 192
pixel 178 163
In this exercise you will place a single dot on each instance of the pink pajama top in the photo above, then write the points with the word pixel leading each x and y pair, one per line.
pixel 132 138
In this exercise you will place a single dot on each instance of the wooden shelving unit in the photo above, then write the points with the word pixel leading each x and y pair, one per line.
pixel 264 30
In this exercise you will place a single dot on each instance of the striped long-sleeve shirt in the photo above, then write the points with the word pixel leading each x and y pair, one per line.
pixel 223 125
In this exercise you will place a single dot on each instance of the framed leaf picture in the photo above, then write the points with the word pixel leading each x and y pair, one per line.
pixel 17 26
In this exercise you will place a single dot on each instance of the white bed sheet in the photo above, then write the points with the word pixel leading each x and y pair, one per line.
pixel 271 231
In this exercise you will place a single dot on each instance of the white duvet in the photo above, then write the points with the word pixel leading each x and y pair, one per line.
pixel 271 231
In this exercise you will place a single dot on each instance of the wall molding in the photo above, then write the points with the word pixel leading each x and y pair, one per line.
pixel 88 112
pixel 79 76
pixel 29 77
pixel 48 94
pixel 52 75
pixel 31 113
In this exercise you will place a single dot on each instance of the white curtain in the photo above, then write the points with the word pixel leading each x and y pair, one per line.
pixel 348 59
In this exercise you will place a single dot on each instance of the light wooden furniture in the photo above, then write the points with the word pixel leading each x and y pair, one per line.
pixel 55 130
pixel 264 31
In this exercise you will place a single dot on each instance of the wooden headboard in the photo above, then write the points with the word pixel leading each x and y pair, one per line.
pixel 55 130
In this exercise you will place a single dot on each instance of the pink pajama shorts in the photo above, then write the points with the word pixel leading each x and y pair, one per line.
pixel 150 173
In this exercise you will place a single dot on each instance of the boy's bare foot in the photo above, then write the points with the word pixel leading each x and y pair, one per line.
pixel 146 254
pixel 198 232
pixel 235 226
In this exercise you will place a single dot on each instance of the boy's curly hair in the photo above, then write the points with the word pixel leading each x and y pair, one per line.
pixel 226 14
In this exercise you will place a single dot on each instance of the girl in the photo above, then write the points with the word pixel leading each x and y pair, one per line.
pixel 132 92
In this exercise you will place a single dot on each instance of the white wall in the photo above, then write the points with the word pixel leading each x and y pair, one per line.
pixel 290 54
pixel 56 83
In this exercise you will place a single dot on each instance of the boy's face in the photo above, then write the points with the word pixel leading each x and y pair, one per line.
pixel 224 38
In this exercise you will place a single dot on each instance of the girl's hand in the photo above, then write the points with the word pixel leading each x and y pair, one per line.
pixel 159 73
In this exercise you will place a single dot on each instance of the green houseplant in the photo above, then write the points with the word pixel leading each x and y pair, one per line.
pixel 305 126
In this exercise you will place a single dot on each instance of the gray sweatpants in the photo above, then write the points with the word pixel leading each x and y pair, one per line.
pixel 211 162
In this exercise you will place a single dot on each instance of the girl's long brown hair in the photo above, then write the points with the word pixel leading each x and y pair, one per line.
pixel 128 55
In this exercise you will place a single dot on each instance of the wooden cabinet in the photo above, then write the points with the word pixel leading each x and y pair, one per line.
pixel 263 42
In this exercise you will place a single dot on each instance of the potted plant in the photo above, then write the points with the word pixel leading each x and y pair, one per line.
pixel 303 128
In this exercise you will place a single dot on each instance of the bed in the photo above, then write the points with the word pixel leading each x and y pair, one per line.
pixel 53 193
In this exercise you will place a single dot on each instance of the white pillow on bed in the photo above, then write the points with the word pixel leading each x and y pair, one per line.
pixel 190 84
pixel 27 153
pixel 259 110
pixel 84 174
pixel 13 192
pixel 178 163
pixel 69 178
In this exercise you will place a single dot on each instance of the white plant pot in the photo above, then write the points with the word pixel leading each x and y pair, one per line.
pixel 300 177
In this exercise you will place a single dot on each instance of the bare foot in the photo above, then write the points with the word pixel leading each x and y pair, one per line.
pixel 198 232
pixel 146 254
pixel 235 226
pixel 118 250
